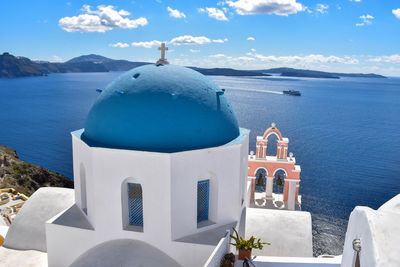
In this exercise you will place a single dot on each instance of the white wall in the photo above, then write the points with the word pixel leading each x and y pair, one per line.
pixel 288 232
pixel 379 233
pixel 264 261
pixel 244 166
pixel 66 244
pixel 169 186
pixel 219 252
pixel 81 158
pixel 222 166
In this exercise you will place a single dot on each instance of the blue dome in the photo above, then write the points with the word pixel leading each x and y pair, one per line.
pixel 161 108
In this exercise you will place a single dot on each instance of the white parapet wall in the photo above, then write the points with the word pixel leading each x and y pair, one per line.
pixel 219 252
pixel 264 261
pixel 378 232
pixel 289 232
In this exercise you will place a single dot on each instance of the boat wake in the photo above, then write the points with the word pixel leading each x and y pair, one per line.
pixel 253 90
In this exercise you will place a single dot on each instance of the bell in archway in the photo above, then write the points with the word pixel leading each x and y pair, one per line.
pixel 260 180
pixel 279 181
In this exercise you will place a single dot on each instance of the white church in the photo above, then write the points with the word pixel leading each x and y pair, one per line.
pixel 161 177
pixel 162 163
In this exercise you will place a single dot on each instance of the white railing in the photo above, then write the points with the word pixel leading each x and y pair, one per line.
pixel 266 261
pixel 220 250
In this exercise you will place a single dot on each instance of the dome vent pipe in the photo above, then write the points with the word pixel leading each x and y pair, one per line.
pixel 357 249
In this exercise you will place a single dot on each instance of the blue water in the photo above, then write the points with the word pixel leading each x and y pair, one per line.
pixel 344 133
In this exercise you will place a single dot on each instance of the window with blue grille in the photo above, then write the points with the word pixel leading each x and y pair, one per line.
pixel 135 204
pixel 203 197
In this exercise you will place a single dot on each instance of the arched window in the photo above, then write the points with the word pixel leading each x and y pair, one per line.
pixel 82 179
pixel 132 205
pixel 135 204
pixel 203 200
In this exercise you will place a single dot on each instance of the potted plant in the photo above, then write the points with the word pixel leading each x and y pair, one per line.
pixel 228 260
pixel 244 246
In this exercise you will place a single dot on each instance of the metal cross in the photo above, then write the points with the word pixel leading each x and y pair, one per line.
pixel 163 48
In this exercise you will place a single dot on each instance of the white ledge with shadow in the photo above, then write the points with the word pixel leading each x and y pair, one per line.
pixel 204 224
pixel 268 261
pixel 134 228
pixel 72 217
pixel 208 237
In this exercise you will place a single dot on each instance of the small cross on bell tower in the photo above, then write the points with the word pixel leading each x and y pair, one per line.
pixel 162 60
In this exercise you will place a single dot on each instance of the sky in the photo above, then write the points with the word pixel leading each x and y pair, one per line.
pixel 340 36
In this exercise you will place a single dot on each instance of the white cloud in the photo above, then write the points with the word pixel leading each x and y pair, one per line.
pixel 148 44
pixel 217 56
pixel 386 59
pixel 252 50
pixel 244 58
pixel 250 38
pixel 365 20
pixel 120 45
pixel 195 40
pixel 220 41
pixel 175 13
pixel 214 13
pixel 308 59
pixel 230 60
pixel 321 8
pixel 358 1
pixel 179 40
pixel 318 9
pixel 102 19
pixel 56 58
pixel 276 7
pixel 396 13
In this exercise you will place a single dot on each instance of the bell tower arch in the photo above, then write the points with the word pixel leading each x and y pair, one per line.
pixel 282 175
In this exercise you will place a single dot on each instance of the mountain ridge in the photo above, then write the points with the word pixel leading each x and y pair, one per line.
pixel 12 67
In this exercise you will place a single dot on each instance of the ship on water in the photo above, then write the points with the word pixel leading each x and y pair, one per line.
pixel 292 92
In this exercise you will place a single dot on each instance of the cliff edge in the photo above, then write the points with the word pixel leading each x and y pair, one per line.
pixel 26 177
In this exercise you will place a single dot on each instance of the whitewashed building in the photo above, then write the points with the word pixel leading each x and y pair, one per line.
pixel 161 161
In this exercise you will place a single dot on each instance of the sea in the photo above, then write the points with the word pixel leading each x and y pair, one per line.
pixel 345 133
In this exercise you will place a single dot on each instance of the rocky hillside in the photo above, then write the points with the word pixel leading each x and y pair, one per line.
pixel 26 177
pixel 108 63
pixel 11 66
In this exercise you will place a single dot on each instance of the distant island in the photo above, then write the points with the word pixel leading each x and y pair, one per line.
pixel 290 72
pixel 26 177
pixel 13 66
pixel 229 72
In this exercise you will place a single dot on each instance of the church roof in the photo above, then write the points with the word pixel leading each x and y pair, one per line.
pixel 161 108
